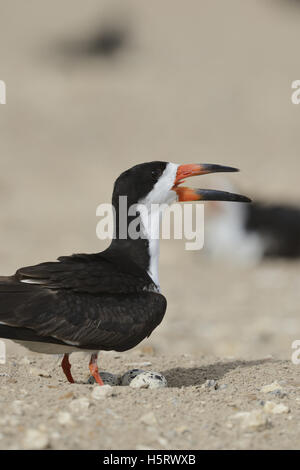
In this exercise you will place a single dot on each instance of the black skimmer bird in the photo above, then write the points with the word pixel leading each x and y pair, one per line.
pixel 249 233
pixel 277 226
pixel 104 301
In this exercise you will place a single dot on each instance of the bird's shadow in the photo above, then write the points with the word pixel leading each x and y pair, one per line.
pixel 195 376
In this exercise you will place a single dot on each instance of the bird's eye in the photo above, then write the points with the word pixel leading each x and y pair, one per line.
pixel 155 174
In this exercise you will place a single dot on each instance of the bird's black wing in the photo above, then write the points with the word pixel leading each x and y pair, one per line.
pixel 91 274
pixel 84 300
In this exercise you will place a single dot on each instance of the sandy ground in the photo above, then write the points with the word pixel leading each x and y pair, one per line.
pixel 200 409
pixel 208 83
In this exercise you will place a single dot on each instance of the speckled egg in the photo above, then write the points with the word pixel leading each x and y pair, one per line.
pixel 107 377
pixel 148 379
pixel 130 375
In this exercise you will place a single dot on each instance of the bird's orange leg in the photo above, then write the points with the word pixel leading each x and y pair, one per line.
pixel 66 367
pixel 94 369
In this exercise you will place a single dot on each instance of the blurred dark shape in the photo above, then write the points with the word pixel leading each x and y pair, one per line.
pixel 107 42
pixel 251 232
pixel 278 226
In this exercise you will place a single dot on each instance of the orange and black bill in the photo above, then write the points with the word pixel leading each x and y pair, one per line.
pixel 196 169
pixel 189 194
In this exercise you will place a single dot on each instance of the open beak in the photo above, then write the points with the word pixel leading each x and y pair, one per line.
pixel 188 194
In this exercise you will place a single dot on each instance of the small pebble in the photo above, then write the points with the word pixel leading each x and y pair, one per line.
pixel 275 408
pixel 64 418
pixel 223 387
pixel 35 440
pixel 149 419
pixel 103 391
pixel 79 405
pixel 210 384
pixel 271 387
pixel 25 361
pixel 278 393
pixel 255 420
pixel 10 420
pixel 163 442
pixel 18 407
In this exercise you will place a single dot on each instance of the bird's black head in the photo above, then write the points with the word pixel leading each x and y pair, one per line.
pixel 150 186
pixel 159 183
pixel 138 182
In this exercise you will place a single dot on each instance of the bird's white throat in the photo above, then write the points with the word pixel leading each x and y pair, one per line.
pixel 151 211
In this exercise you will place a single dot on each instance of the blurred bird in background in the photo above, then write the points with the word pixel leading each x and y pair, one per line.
pixel 250 233
pixel 105 38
